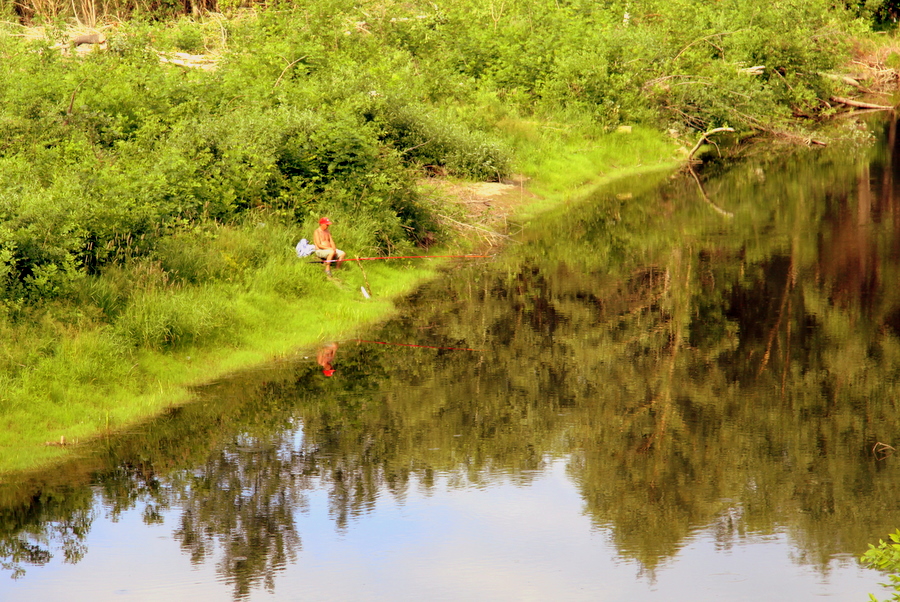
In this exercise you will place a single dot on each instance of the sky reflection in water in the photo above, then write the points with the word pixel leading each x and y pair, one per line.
pixel 497 542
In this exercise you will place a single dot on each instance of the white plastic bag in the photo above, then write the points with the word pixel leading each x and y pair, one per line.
pixel 305 248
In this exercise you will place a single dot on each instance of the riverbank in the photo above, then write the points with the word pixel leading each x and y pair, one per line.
pixel 573 352
pixel 275 326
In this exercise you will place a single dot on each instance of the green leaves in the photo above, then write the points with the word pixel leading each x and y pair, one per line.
pixel 886 557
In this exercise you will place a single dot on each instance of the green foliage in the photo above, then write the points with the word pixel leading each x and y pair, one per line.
pixel 188 38
pixel 886 557
pixel 882 14
pixel 425 138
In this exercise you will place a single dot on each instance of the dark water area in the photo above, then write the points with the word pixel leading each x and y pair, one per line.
pixel 653 394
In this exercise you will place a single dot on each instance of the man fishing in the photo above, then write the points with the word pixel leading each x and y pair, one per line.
pixel 326 250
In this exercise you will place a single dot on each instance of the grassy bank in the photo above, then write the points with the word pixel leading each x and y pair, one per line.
pixel 89 388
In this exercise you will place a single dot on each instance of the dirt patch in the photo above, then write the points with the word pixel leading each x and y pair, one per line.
pixel 79 40
pixel 478 211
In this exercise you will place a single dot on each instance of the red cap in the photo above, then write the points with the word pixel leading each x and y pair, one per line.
pixel 324 220
pixel 328 372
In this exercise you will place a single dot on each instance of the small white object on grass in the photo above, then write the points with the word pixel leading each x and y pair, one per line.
pixel 364 292
pixel 305 248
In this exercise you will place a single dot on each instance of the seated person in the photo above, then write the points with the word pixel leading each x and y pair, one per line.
pixel 326 250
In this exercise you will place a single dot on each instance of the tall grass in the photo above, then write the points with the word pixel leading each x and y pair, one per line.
pixel 171 320
pixel 92 12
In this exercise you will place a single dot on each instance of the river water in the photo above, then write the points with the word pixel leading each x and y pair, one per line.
pixel 655 393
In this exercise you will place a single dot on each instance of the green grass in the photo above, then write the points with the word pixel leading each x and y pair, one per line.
pixel 565 163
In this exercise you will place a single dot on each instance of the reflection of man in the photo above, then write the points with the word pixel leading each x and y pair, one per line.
pixel 326 250
pixel 325 357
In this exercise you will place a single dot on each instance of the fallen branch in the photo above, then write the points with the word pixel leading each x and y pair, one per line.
pixel 755 70
pixel 483 231
pixel 859 104
pixel 846 79
pixel 704 137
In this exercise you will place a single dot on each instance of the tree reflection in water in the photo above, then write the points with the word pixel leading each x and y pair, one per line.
pixel 695 371
pixel 242 501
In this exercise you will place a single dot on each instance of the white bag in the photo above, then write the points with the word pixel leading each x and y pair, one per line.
pixel 305 248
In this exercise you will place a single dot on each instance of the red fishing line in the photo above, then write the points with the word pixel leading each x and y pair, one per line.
pixel 403 257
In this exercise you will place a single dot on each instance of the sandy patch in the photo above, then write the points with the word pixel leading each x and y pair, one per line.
pixel 477 210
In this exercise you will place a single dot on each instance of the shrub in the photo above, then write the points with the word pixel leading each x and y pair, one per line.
pixel 423 137
pixel 320 107
pixel 886 557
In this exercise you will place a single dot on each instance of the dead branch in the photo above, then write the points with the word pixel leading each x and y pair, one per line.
pixel 658 80
pixel 797 138
pixel 845 79
pixel 283 71
pixel 72 101
pixel 482 230
pixel 882 450
pixel 704 137
pixel 412 148
pixel 704 39
pixel 859 104
pixel 754 70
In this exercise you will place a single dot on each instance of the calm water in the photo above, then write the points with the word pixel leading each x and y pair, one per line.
pixel 655 394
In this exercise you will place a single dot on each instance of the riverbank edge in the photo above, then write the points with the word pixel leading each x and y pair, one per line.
pixel 178 373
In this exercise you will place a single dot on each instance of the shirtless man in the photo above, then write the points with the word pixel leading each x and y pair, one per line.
pixel 326 250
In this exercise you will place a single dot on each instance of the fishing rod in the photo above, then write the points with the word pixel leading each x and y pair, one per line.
pixel 399 257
